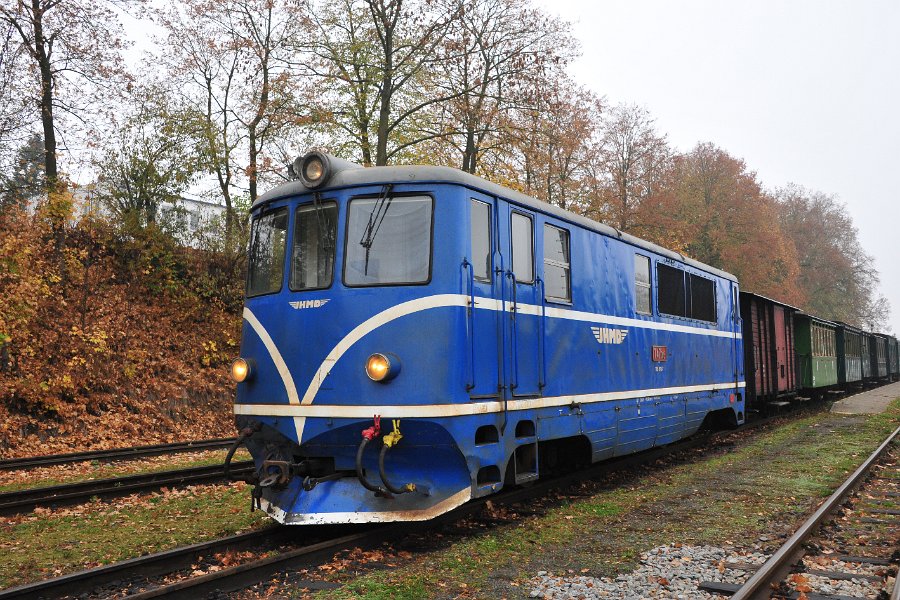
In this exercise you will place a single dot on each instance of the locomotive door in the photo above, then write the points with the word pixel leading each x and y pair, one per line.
pixel 523 297
pixel 484 323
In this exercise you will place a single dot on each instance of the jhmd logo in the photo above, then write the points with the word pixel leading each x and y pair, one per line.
pixel 301 304
pixel 606 335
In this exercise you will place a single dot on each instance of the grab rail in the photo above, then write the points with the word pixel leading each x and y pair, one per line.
pixel 470 324
pixel 542 373
pixel 514 337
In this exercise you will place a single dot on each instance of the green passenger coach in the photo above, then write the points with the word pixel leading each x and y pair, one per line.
pixel 816 351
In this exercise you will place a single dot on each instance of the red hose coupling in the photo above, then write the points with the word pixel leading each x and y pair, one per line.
pixel 374 431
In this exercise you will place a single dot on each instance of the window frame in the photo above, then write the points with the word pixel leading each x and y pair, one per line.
pixel 683 291
pixel 648 285
pixel 715 297
pixel 287 236
pixel 375 196
pixel 512 251
pixel 322 202
pixel 566 266
pixel 490 214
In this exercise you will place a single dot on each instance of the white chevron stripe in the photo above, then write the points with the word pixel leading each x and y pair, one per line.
pixel 283 370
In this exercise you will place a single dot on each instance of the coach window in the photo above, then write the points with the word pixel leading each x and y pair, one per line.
pixel 670 293
pixel 481 240
pixel 642 284
pixel 522 248
pixel 388 241
pixel 557 268
pixel 268 236
pixel 312 256
pixel 703 298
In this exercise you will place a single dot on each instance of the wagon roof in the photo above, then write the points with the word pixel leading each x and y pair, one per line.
pixel 819 319
pixel 766 298
pixel 360 176
pixel 849 326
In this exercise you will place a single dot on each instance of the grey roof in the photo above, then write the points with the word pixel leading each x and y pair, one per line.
pixel 766 298
pixel 360 176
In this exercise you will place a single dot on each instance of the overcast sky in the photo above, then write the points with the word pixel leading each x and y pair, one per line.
pixel 804 91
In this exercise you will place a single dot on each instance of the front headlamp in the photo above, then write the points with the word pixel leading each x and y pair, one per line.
pixel 313 169
pixel 241 370
pixel 382 367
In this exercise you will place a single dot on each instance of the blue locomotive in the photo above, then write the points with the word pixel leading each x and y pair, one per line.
pixel 414 337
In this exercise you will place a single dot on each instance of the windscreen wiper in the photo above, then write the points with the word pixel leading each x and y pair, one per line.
pixel 376 218
pixel 324 233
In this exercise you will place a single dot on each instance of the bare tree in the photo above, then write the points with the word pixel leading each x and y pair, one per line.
pixel 74 50
pixel 229 61
pixel 378 62
pixel 496 52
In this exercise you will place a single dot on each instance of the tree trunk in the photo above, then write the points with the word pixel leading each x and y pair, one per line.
pixel 46 103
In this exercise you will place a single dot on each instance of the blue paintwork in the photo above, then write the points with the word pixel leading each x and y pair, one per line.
pixel 546 357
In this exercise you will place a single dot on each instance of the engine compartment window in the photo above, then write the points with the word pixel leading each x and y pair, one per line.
pixel 670 293
pixel 312 253
pixel 557 268
pixel 481 239
pixel 268 236
pixel 522 247
pixel 388 240
pixel 683 294
pixel 642 284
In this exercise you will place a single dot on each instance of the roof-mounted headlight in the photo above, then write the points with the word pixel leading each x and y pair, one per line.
pixel 313 169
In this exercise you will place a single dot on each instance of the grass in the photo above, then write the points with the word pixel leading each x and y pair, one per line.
pixel 57 543
pixel 50 476
pixel 766 484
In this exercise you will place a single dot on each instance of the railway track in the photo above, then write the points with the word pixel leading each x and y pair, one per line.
pixel 319 545
pixel 114 454
pixel 74 493
pixel 822 550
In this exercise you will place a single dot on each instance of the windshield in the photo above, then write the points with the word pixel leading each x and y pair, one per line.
pixel 315 229
pixel 267 246
pixel 388 241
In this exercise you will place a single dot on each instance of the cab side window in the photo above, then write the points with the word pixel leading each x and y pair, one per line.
pixel 481 240
pixel 522 248
pixel 642 284
pixel 557 268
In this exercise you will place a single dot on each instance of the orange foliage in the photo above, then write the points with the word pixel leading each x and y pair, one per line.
pixel 119 338
pixel 711 208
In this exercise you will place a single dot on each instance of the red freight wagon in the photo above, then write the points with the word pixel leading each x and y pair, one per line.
pixel 769 357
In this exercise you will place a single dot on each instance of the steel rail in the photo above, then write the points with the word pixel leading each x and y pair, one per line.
pixel 144 566
pixel 72 493
pixel 774 570
pixel 242 576
pixel 113 454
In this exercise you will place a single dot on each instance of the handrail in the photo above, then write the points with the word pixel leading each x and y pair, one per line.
pixel 514 336
pixel 502 323
pixel 470 325
pixel 542 373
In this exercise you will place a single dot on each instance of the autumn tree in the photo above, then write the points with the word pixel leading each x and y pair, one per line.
pixel 73 49
pixel 550 141
pixel 631 158
pixel 839 278
pixel 152 160
pixel 496 53
pixel 711 207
